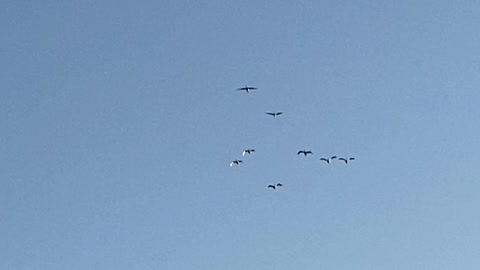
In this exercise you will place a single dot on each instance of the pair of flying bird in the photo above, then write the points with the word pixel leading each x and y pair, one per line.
pixel 238 161
pixel 328 160
pixel 247 89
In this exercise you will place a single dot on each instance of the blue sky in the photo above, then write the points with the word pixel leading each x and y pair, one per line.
pixel 118 121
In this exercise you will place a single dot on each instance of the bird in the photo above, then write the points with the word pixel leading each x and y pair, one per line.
pixel 236 161
pixel 247 89
pixel 304 152
pixel 328 159
pixel 274 114
pixel 347 159
pixel 271 186
pixel 248 151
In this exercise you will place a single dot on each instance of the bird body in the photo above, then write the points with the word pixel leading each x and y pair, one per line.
pixel 247 89
pixel 248 151
pixel 274 114
pixel 304 152
pixel 328 160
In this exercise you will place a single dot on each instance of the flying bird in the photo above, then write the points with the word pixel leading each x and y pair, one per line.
pixel 247 89
pixel 328 159
pixel 271 186
pixel 248 151
pixel 236 161
pixel 304 152
pixel 274 114
pixel 347 159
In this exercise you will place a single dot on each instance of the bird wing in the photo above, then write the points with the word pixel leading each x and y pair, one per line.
pixel 278 113
pixel 309 152
pixel 242 89
pixel 279 185
pixel 240 161
pixel 252 88
pixel 299 152
pixel 269 113
pixel 324 159
pixel 352 158
pixel 333 157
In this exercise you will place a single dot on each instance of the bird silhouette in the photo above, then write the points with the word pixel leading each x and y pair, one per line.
pixel 236 161
pixel 346 160
pixel 248 151
pixel 274 114
pixel 328 159
pixel 304 152
pixel 247 89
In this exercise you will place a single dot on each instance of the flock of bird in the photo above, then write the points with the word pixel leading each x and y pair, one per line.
pixel 249 151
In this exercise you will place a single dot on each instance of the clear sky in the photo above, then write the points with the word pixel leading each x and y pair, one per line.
pixel 118 121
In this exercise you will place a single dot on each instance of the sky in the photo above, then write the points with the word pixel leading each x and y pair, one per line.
pixel 119 119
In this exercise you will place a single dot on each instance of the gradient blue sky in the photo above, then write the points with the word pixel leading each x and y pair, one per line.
pixel 118 120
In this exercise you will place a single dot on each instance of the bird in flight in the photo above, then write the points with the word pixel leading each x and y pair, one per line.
pixel 248 151
pixel 346 160
pixel 328 159
pixel 236 161
pixel 247 89
pixel 304 152
pixel 275 186
pixel 274 114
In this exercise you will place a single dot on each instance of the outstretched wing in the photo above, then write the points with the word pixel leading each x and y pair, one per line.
pixel 278 113
pixel 324 159
pixel 333 157
pixel 279 185
pixel 269 113
pixel 352 158
pixel 309 152
pixel 300 152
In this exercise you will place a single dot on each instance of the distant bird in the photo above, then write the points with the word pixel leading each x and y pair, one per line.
pixel 271 186
pixel 248 151
pixel 236 161
pixel 304 152
pixel 275 186
pixel 247 89
pixel 347 159
pixel 274 114
pixel 328 159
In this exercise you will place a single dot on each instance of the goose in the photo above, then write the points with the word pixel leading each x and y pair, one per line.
pixel 236 161
pixel 247 89
pixel 274 114
pixel 248 151
pixel 271 186
pixel 328 159
pixel 347 159
pixel 304 152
